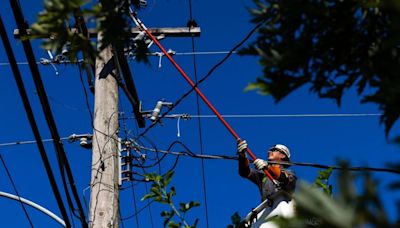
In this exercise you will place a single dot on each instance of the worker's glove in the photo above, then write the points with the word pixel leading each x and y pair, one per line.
pixel 260 164
pixel 241 147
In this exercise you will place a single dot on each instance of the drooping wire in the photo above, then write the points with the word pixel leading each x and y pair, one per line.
pixel 187 153
pixel 203 174
pixel 139 211
pixel 158 159
pixel 16 191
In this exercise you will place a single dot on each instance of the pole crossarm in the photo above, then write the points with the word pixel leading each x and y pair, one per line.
pixel 168 32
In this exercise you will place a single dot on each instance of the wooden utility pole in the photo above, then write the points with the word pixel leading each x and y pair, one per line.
pixel 104 196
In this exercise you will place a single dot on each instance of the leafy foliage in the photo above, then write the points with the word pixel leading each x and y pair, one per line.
pixel 59 16
pixel 331 45
pixel 53 24
pixel 322 181
pixel 159 192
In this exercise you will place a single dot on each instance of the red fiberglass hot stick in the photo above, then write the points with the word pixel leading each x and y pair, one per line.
pixel 215 111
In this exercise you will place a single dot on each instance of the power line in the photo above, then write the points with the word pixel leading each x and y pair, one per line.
pixel 188 116
pixel 354 168
pixel 205 156
pixel 60 152
pixel 28 109
pixel 138 211
pixel 135 205
pixel 18 63
pixel 172 53
pixel 191 20
pixel 305 164
pixel 205 53
pixel 86 94
pixel 150 54
pixel 16 191
pixel 17 143
pixel 188 153
pixel 289 115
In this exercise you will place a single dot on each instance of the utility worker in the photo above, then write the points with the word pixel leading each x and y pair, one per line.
pixel 276 199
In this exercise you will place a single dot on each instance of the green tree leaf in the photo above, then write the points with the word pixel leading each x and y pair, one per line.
pixel 330 46
pixel 148 196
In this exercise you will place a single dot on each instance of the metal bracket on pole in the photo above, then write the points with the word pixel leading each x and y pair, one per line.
pixel 124 161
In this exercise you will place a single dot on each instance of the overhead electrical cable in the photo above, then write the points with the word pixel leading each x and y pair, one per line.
pixel 139 211
pixel 29 142
pixel 188 116
pixel 18 63
pixel 205 53
pixel 16 191
pixel 305 164
pixel 28 109
pixel 187 153
pixel 354 168
pixel 158 159
pixel 149 206
pixel 150 54
pixel 61 155
pixel 135 205
pixel 289 115
pixel 85 94
pixel 192 23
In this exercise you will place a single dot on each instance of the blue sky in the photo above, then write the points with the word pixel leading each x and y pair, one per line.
pixel 324 140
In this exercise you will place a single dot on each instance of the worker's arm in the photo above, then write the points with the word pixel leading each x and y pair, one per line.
pixel 244 163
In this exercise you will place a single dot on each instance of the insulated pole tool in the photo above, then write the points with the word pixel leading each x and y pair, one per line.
pixel 198 91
